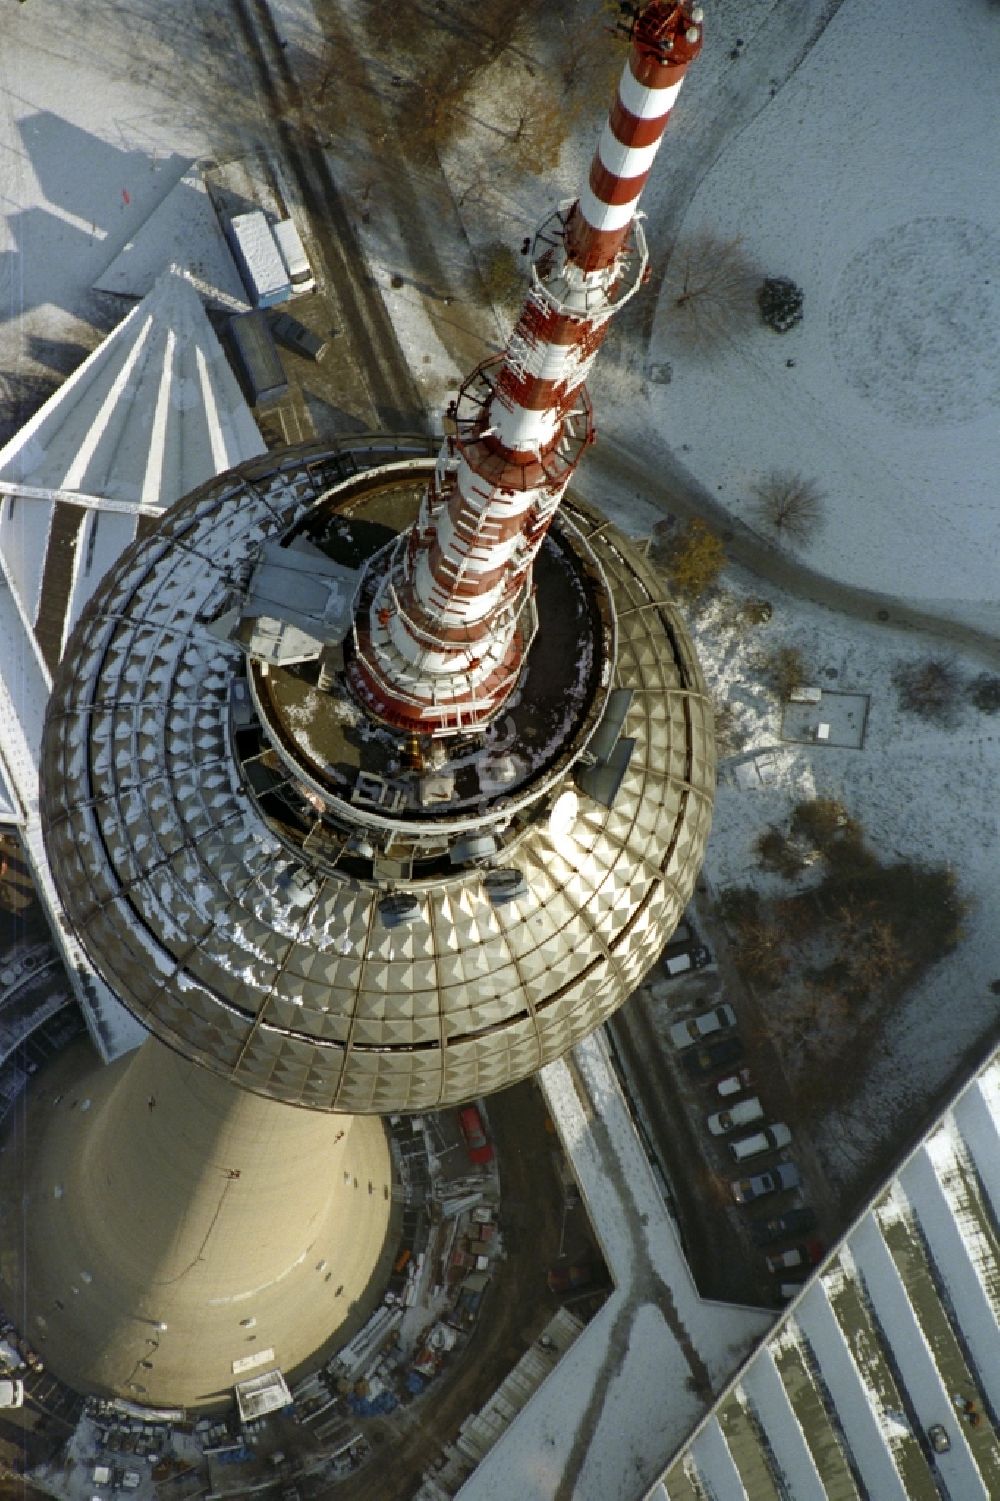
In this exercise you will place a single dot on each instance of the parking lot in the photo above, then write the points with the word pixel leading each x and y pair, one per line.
pixel 719 1123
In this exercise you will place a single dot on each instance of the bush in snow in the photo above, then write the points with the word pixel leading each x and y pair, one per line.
pixel 928 688
pixel 694 559
pixel 776 852
pixel 788 503
pixel 780 302
pixel 985 693
pixel 818 821
pixel 783 670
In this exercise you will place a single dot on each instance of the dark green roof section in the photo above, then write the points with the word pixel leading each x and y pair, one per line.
pixel 809 1407
pixel 907 1249
pixel 968 1201
pixel 680 1485
pixel 867 1351
pixel 747 1447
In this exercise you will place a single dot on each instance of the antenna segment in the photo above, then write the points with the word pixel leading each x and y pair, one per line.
pixel 447 613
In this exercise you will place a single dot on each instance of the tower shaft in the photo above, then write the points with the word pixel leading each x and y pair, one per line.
pixel 178 1226
pixel 449 615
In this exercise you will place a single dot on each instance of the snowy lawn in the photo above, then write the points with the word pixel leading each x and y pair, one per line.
pixel 868 180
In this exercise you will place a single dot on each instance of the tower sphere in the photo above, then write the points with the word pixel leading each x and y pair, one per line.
pixel 320 909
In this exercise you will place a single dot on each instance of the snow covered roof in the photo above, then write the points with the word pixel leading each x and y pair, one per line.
pixel 151 414
pixel 182 231
pixel 154 412
pixel 895 1344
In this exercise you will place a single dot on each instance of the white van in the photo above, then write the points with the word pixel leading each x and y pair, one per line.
pixel 743 1113
pixel 768 1139
pixel 294 256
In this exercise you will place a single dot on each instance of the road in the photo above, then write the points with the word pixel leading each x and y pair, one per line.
pixel 516 1308
pixel 343 270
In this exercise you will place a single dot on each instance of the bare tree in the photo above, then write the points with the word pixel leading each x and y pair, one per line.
pixel 775 852
pixel 503 275
pixel 710 285
pixel 790 504
pixel 784 670
pixel 728 736
pixel 879 955
pixel 542 121
pixel 761 956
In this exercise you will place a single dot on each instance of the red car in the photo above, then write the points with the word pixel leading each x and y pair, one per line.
pixel 473 1130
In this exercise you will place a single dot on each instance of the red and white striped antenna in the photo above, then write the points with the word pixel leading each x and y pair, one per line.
pixel 448 613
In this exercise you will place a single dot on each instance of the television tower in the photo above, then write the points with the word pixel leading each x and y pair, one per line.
pixel 373 781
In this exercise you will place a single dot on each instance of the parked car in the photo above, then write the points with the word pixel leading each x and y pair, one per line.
pixel 767 1139
pixel 713 1055
pixel 574 1277
pixel 775 1180
pixel 792 1222
pixel 682 1034
pixel 472 1128
pixel 12 1393
pixel 296 337
pixel 743 1113
pixel 678 964
pixel 686 959
pixel 731 1084
pixel 788 1289
pixel 808 1253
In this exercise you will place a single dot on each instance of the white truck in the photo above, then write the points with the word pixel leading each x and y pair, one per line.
pixel 259 260
pixel 289 242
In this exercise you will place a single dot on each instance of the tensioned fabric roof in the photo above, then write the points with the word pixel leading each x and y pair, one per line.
pixel 151 414
pixel 184 895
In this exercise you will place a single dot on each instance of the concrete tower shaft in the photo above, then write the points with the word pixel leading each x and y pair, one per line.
pixel 177 1226
pixel 451 619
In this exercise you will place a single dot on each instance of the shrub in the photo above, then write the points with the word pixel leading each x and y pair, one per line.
pixel 696 559
pixel 928 688
pixel 985 693
pixel 784 669
pixel 780 302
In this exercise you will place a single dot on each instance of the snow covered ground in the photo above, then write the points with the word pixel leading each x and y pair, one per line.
pixel 867 181
pixel 100 115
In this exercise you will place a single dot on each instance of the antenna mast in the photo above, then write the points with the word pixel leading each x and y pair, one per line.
pixel 447 616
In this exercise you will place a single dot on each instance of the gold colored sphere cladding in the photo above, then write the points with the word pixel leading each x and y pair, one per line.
pixel 180 888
